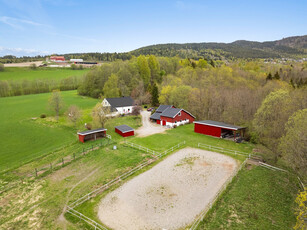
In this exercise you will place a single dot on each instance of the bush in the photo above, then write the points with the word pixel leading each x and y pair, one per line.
pixel 88 126
pixel 136 110
pixel 43 115
pixel 33 66
pixel 1 67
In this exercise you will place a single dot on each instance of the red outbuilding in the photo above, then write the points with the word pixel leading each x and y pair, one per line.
pixel 218 129
pixel 124 130
pixel 92 134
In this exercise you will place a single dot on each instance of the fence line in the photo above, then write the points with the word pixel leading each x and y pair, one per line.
pixel 64 160
pixel 139 147
pixel 171 149
pixel 217 195
pixel 223 150
pixel 86 219
pixel 121 177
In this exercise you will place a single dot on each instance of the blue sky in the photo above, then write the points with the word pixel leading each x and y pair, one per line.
pixel 30 27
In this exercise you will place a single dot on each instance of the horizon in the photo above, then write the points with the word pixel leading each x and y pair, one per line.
pixel 44 27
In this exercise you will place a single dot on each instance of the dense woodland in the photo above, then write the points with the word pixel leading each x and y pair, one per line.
pixel 270 99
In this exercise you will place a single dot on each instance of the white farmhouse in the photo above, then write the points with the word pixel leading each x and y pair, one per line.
pixel 119 105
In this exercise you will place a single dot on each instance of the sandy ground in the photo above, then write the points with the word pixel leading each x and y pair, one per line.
pixel 23 64
pixel 171 194
pixel 148 128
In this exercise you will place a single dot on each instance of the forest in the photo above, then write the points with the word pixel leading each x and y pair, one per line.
pixel 269 99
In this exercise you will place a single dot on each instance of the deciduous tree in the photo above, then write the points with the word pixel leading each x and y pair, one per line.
pixel 110 88
pixel 56 102
pixel 74 114
pixel 101 114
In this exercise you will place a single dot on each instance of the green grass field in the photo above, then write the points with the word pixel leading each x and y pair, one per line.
pixel 258 198
pixel 24 73
pixel 24 139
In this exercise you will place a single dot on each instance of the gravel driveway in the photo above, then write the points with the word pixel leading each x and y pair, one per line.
pixel 148 128
pixel 171 194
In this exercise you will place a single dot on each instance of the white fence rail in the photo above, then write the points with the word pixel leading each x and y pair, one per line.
pixel 171 149
pixel 209 206
pixel 215 148
pixel 89 221
pixel 123 176
pixel 139 147
pixel 109 136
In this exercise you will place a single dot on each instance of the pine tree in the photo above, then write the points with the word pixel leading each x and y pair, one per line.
pixel 154 95
pixel 269 77
pixel 276 76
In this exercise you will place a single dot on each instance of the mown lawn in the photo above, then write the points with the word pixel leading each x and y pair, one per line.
pixel 186 133
pixel 24 139
pixel 258 198
pixel 24 73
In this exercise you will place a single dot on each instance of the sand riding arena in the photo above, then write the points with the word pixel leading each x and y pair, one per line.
pixel 171 194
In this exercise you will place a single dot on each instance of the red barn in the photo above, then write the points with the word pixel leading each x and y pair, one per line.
pixel 124 130
pixel 167 115
pixel 92 134
pixel 57 58
pixel 218 129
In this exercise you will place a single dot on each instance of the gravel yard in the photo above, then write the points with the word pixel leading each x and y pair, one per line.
pixel 148 127
pixel 171 194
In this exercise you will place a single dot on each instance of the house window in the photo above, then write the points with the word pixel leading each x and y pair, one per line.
pixel 179 114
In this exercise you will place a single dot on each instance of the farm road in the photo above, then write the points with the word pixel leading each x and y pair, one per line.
pixel 148 128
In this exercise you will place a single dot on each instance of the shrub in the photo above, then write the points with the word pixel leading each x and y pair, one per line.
pixel 33 66
pixel 88 126
pixel 43 115
pixel 136 110
pixel 1 67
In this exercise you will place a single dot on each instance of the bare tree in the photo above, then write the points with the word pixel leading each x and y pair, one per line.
pixel 74 114
pixel 101 114
pixel 56 102
pixel 136 110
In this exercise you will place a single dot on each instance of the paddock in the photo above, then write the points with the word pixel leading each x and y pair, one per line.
pixel 171 194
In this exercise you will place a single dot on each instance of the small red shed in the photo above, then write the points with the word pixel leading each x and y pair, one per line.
pixel 218 129
pixel 124 130
pixel 92 134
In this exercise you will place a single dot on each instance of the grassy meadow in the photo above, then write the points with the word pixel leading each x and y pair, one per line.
pixel 24 138
pixel 25 73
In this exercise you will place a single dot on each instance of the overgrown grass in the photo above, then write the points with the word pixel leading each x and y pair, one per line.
pixel 25 73
pixel 258 198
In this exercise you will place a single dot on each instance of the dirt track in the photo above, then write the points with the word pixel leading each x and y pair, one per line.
pixel 171 194
pixel 23 64
pixel 148 128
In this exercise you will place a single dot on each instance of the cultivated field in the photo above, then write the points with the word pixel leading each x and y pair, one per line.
pixel 24 73
pixel 171 194
pixel 23 64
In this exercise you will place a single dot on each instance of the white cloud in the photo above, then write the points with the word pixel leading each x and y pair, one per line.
pixel 19 52
pixel 19 23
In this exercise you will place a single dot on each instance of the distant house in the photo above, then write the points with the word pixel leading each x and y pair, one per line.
pixel 119 105
pixel 57 58
pixel 168 115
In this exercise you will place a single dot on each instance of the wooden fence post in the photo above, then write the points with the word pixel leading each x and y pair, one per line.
pixel 51 166
pixel 62 161
pixel 92 148
pixel 36 172
pixel 74 156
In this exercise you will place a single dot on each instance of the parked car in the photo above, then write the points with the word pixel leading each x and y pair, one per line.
pixel 150 109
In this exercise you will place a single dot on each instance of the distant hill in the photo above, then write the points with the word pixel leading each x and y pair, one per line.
pixel 291 47
pixel 287 47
